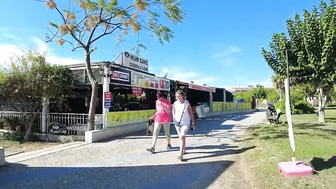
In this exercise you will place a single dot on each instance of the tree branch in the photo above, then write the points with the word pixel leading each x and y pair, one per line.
pixel 94 29
pixel 76 48
pixel 71 33
pixel 106 33
pixel 55 35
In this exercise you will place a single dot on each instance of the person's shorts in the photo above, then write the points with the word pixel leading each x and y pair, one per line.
pixel 182 130
pixel 158 126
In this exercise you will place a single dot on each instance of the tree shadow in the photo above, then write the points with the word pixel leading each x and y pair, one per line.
pixel 330 120
pixel 217 153
pixel 179 175
pixel 319 164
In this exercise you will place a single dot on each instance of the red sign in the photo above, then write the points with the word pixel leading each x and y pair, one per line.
pixel 108 95
pixel 201 88
pixel 136 91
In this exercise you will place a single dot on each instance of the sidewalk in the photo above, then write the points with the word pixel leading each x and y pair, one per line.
pixel 124 162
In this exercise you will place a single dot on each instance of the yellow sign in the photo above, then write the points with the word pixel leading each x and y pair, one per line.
pixel 128 117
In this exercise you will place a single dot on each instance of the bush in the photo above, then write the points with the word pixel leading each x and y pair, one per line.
pixel 11 123
pixel 281 105
pixel 13 136
pixel 303 107
pixel 298 107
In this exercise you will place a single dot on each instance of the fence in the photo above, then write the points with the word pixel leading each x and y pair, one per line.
pixel 65 123
pixel 229 106
pixel 20 116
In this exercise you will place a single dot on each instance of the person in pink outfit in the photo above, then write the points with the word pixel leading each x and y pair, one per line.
pixel 162 118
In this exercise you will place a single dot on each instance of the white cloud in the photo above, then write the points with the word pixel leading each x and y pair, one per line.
pixel 227 52
pixel 227 56
pixel 175 73
pixel 9 50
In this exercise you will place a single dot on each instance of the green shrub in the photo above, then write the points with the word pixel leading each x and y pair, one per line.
pixel 303 107
pixel 13 136
pixel 298 107
pixel 281 105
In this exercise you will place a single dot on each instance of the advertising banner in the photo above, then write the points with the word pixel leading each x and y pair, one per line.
pixel 120 76
pixel 289 117
pixel 150 82
pixel 133 61
pixel 128 117
pixel 136 91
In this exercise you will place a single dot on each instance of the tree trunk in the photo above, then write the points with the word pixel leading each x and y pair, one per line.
pixel 28 130
pixel 94 91
pixel 321 110
pixel 93 102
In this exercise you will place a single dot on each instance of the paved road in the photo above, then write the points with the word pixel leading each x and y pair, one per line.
pixel 124 162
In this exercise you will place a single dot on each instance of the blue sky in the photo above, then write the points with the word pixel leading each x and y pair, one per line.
pixel 218 44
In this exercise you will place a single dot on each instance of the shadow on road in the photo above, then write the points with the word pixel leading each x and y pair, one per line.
pixel 180 175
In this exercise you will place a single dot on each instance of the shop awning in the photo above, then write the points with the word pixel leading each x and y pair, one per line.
pixel 201 88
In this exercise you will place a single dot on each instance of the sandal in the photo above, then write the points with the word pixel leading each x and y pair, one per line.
pixel 180 157
pixel 152 150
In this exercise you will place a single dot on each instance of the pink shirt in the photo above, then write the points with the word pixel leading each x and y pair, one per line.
pixel 163 109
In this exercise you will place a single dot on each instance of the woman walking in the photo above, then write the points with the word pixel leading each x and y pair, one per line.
pixel 162 118
pixel 182 115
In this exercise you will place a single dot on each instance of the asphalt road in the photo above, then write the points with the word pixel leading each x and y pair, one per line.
pixel 124 162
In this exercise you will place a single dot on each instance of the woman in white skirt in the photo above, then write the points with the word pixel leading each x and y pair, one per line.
pixel 182 116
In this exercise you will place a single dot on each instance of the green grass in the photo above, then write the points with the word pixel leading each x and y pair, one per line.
pixel 315 144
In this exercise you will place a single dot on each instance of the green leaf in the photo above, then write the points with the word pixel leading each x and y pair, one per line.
pixel 53 25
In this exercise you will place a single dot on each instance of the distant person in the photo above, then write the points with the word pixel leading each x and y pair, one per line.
pixel 182 115
pixel 162 118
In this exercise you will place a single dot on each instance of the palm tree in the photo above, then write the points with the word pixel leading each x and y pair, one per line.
pixel 278 83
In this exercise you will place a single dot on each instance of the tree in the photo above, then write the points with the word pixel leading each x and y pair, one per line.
pixel 278 84
pixel 259 92
pixel 273 96
pixel 246 96
pixel 310 48
pixel 306 89
pixel 29 80
pixel 89 21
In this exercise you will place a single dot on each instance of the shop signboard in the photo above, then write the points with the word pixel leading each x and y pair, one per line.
pixel 133 61
pixel 108 99
pixel 136 91
pixel 201 88
pixel 120 76
pixel 150 82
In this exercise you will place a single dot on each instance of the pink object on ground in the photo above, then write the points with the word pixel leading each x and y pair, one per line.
pixel 299 168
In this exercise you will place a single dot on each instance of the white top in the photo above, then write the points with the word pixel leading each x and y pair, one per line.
pixel 178 106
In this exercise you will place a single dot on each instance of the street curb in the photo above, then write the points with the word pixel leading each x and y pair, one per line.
pixel 39 153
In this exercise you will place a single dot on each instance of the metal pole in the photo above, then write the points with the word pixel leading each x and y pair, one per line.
pixel 287 64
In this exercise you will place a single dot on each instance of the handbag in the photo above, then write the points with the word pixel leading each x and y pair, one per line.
pixel 182 114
